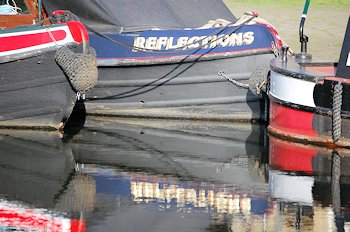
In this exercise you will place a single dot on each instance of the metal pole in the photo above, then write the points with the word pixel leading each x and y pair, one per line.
pixel 303 38
pixel 39 11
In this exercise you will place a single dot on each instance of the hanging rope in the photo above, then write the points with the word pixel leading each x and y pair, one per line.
pixel 336 117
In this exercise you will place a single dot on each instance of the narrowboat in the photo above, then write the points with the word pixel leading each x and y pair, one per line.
pixel 44 67
pixel 174 59
pixel 309 100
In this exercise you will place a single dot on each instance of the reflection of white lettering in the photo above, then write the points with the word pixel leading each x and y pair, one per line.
pixel 205 42
pixel 348 61
pixel 223 201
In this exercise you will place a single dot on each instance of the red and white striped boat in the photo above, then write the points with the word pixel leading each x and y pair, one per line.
pixel 34 90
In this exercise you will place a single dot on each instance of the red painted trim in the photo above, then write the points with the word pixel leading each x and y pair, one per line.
pixel 330 70
pixel 78 31
pixel 290 120
pixel 288 156
pixel 275 34
pixel 29 40
pixel 339 79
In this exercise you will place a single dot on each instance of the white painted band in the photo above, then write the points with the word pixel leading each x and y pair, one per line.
pixel 292 90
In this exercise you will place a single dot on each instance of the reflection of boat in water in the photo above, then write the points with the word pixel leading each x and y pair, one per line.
pixel 309 99
pixel 171 203
pixel 169 174
pixel 16 216
pixel 310 184
pixel 217 152
pixel 38 189
pixel 161 59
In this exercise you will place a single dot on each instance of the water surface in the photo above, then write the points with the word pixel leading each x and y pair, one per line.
pixel 127 175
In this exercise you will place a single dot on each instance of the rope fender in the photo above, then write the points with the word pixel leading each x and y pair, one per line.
pixel 80 68
pixel 336 117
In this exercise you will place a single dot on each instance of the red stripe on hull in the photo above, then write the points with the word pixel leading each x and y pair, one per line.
pixel 78 31
pixel 289 156
pixel 29 40
pixel 291 121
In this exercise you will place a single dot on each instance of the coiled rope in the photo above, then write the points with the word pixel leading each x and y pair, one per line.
pixel 336 116
pixel 10 8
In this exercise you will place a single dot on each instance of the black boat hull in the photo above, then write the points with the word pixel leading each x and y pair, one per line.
pixel 35 93
pixel 190 90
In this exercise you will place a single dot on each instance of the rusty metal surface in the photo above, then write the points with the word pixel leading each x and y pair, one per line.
pixel 319 140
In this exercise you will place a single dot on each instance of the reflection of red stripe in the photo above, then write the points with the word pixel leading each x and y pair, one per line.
pixel 287 156
pixel 29 40
pixel 288 120
pixel 29 221
pixel 77 226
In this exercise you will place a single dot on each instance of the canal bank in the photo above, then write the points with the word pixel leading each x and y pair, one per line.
pixel 325 24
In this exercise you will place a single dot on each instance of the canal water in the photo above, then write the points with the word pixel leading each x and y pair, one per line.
pixel 150 175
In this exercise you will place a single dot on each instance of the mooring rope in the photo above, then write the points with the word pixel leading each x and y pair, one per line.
pixel 336 117
pixel 238 84
pixel 257 82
